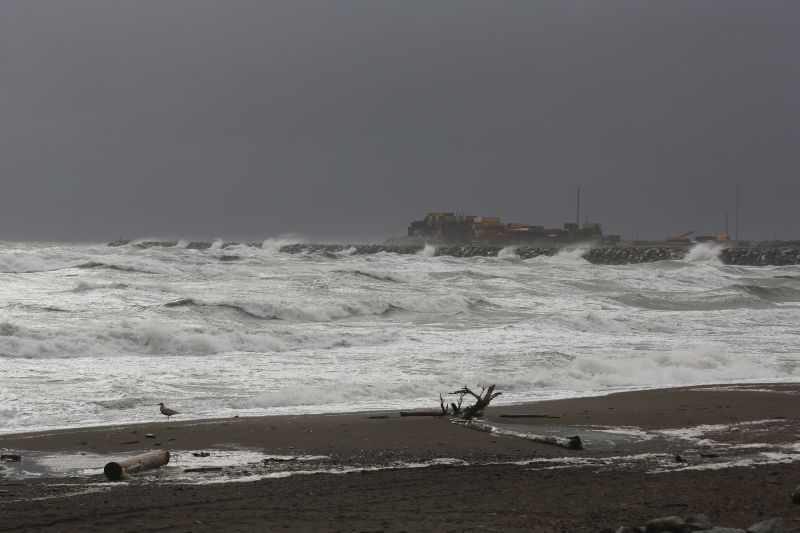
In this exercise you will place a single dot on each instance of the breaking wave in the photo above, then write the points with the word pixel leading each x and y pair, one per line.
pixel 700 364
pixel 84 286
pixel 778 294
pixel 340 331
pixel 111 266
pixel 372 274
pixel 274 245
pixel 27 263
pixel 736 296
pixel 152 338
pixel 327 311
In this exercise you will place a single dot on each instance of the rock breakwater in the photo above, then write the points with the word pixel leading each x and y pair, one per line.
pixel 604 255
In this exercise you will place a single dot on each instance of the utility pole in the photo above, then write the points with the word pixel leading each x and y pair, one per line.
pixel 578 211
pixel 726 223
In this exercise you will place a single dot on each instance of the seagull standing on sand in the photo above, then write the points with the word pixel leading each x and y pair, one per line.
pixel 166 411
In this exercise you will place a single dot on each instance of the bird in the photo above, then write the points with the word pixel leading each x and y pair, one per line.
pixel 166 411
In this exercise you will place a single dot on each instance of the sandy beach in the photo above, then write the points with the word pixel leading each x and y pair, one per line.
pixel 730 452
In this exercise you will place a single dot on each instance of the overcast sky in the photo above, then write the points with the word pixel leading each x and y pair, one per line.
pixel 343 119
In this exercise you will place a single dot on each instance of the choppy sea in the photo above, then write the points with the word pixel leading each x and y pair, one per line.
pixel 92 334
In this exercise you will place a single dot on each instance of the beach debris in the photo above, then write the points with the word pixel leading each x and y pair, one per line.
pixel 204 469
pixel 700 522
pixel 269 460
pixel 9 457
pixel 796 494
pixel 137 463
pixel 421 413
pixel 773 525
pixel 150 436
pixel 529 416
pixel 668 523
pixel 201 454
pixel 166 411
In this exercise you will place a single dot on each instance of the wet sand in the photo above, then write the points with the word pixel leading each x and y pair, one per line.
pixel 739 460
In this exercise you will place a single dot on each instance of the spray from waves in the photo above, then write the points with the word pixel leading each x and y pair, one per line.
pixel 217 244
pixel 274 245
pixel 183 243
pixel 428 250
pixel 45 260
pixel 705 253
pixel 509 252
pixel 24 264
pixel 574 252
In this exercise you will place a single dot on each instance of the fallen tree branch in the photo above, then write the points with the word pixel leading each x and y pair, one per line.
pixel 481 402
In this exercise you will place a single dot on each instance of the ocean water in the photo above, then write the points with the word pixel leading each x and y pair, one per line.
pixel 92 334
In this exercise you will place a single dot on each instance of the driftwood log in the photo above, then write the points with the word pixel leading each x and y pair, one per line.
pixel 466 416
pixel 570 443
pixel 137 463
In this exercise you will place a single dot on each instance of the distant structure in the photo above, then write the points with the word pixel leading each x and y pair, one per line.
pixel 458 228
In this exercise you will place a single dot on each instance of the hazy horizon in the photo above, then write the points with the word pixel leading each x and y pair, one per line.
pixel 347 120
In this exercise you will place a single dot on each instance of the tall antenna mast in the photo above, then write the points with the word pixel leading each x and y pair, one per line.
pixel 578 211
pixel 737 214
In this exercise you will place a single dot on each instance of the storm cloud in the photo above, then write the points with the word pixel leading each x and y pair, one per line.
pixel 345 119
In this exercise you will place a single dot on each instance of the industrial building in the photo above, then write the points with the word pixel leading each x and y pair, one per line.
pixel 458 228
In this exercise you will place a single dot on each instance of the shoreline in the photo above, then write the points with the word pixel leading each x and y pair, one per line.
pixel 379 471
pixel 510 407
pixel 567 411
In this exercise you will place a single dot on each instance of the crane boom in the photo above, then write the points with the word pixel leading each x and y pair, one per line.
pixel 680 238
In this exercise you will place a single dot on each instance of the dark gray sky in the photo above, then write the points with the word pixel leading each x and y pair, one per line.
pixel 344 119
